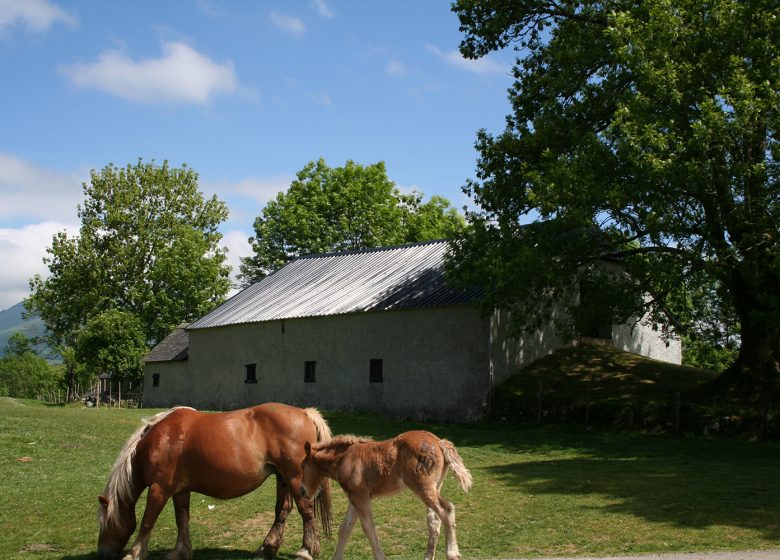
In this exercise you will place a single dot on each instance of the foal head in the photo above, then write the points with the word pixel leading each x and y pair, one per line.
pixel 313 474
pixel 115 529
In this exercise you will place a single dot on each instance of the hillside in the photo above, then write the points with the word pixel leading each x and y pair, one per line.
pixel 11 321
pixel 600 385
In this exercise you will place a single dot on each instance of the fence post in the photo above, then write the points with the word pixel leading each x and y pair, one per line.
pixel 676 412
pixel 539 395
pixel 587 401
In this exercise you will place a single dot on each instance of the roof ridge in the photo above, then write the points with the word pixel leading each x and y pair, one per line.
pixel 380 249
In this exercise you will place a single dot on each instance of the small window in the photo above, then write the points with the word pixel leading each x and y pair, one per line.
pixel 375 371
pixel 251 373
pixel 155 380
pixel 309 372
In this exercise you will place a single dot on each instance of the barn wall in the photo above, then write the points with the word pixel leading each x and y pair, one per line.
pixel 509 354
pixel 643 340
pixel 174 379
pixel 435 363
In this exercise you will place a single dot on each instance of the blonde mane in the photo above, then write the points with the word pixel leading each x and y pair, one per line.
pixel 340 443
pixel 119 485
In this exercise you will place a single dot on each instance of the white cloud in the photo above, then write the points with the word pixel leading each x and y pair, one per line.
pixel 260 190
pixel 21 252
pixel 289 24
pixel 323 9
pixel 321 98
pixel 181 74
pixel 34 15
pixel 237 244
pixel 396 68
pixel 30 192
pixel 480 66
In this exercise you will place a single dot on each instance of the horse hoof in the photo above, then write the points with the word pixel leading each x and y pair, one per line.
pixel 303 554
pixel 267 552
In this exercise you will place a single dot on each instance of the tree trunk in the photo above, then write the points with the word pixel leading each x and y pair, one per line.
pixel 757 368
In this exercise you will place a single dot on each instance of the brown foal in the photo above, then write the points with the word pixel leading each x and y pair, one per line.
pixel 366 469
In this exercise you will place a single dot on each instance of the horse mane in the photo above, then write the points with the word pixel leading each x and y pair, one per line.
pixel 119 485
pixel 323 430
pixel 340 443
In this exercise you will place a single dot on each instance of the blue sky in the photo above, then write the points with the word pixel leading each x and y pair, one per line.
pixel 245 93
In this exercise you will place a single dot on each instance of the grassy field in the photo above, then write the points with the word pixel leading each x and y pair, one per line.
pixel 538 491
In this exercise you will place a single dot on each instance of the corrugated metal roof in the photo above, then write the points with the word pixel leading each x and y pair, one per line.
pixel 408 276
pixel 173 348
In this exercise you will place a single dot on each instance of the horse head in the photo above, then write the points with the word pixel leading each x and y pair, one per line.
pixel 313 474
pixel 117 523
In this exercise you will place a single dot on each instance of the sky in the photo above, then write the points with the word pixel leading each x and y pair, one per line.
pixel 244 92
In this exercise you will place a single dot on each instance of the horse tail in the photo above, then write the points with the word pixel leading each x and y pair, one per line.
pixel 453 459
pixel 119 488
pixel 323 505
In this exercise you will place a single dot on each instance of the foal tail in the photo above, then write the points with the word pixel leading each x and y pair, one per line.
pixel 453 459
pixel 323 505
pixel 119 488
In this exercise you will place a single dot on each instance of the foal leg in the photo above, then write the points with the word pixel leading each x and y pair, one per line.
pixel 181 505
pixel 446 512
pixel 273 540
pixel 155 501
pixel 434 526
pixel 345 531
pixel 362 504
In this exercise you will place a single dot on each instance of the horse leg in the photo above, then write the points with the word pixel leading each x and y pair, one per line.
pixel 434 526
pixel 446 512
pixel 155 501
pixel 311 537
pixel 362 504
pixel 181 505
pixel 345 531
pixel 273 540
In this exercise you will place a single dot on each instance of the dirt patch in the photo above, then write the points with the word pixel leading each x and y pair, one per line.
pixel 39 547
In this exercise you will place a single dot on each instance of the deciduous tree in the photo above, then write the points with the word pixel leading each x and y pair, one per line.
pixel 644 132
pixel 148 246
pixel 341 209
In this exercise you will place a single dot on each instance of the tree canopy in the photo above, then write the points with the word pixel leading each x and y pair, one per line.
pixel 640 132
pixel 114 343
pixel 148 245
pixel 341 209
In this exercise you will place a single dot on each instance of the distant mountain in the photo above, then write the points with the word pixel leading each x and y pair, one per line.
pixel 11 321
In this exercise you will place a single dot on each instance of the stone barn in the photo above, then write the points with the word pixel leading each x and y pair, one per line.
pixel 377 330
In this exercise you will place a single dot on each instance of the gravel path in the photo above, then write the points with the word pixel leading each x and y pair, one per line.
pixel 748 555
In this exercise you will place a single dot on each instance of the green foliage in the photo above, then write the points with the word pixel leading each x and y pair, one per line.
pixel 113 342
pixel 18 345
pixel 24 374
pixel 341 209
pixel 148 245
pixel 644 132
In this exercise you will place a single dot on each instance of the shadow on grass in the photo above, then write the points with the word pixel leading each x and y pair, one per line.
pixel 690 482
pixel 197 554
pixel 689 491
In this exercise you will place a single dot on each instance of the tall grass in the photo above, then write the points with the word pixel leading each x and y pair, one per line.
pixel 538 491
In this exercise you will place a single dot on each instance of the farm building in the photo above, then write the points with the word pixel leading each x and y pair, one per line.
pixel 377 330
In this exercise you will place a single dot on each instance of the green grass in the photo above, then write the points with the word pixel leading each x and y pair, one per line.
pixel 538 491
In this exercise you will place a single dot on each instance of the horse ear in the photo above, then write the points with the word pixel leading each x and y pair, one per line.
pixel 307 448
pixel 103 500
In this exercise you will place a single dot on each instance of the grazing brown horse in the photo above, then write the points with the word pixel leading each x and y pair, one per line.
pixel 223 455
pixel 365 469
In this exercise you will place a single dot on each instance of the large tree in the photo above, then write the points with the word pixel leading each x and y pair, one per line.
pixel 353 207
pixel 148 245
pixel 644 132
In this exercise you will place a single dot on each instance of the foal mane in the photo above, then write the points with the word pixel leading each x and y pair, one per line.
pixel 119 486
pixel 339 444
